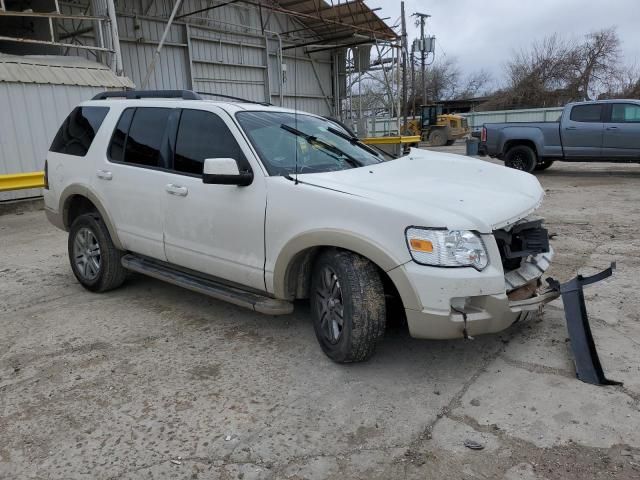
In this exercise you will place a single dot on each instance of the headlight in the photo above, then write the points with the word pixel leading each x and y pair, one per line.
pixel 447 248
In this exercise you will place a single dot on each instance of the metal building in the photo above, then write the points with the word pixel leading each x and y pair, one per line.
pixel 292 53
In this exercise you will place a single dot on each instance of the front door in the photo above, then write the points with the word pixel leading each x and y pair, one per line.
pixel 622 132
pixel 582 132
pixel 214 229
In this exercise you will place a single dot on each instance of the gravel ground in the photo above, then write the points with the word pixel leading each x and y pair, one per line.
pixel 152 381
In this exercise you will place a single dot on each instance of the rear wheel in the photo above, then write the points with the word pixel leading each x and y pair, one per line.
pixel 437 138
pixel 521 157
pixel 95 260
pixel 543 165
pixel 348 306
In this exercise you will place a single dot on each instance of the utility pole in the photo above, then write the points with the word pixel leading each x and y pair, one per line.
pixel 404 65
pixel 423 54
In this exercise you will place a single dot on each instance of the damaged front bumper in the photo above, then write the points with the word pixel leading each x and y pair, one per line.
pixel 457 303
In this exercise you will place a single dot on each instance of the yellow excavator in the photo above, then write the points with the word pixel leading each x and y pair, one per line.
pixel 437 128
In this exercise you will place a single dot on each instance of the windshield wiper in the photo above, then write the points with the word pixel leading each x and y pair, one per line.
pixel 313 140
pixel 353 140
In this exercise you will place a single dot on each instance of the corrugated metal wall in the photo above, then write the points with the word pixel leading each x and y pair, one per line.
pixel 224 51
pixel 29 119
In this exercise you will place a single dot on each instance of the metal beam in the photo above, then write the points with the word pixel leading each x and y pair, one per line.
pixel 53 44
pixel 152 65
pixel 21 181
pixel 61 16
pixel 206 9
pixel 321 41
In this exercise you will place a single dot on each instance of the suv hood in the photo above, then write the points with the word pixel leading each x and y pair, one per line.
pixel 441 190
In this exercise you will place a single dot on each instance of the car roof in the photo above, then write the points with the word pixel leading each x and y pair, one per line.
pixel 231 107
pixel 608 100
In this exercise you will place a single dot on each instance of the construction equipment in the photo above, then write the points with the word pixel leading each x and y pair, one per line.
pixel 437 128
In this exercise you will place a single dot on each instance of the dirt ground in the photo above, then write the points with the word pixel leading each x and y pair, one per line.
pixel 152 381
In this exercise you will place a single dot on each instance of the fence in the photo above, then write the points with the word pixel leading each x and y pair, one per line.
pixel 385 126
pixel 477 119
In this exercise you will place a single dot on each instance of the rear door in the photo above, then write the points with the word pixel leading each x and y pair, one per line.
pixel 214 229
pixel 582 132
pixel 622 131
pixel 131 178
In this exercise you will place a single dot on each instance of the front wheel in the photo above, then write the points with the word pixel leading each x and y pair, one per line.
pixel 347 305
pixel 522 158
pixel 438 138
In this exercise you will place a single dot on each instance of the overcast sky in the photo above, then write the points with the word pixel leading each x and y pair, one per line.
pixel 484 33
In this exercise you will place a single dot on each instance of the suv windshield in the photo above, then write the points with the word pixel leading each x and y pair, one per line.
pixel 283 139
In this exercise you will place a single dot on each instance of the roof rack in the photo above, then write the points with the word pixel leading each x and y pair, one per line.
pixel 244 100
pixel 135 94
pixel 183 94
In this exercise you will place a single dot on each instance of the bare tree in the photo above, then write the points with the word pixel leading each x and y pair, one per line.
pixel 475 84
pixel 554 71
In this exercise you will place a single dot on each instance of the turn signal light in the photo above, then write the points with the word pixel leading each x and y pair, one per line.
pixel 419 245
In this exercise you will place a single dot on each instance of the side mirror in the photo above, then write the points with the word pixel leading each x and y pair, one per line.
pixel 225 171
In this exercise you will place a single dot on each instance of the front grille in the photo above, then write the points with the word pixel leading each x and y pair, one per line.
pixel 524 239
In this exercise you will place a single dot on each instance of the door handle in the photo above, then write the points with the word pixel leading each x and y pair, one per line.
pixel 612 128
pixel 177 190
pixel 570 128
pixel 104 174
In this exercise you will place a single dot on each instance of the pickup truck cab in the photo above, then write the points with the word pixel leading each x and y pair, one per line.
pixel 601 131
pixel 261 206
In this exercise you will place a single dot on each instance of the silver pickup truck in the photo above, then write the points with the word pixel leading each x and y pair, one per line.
pixel 602 131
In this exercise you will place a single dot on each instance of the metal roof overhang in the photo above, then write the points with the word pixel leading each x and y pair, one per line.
pixel 339 19
pixel 346 23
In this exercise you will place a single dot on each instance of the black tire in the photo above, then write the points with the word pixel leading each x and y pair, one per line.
pixel 89 238
pixel 438 137
pixel 450 142
pixel 543 165
pixel 522 158
pixel 359 295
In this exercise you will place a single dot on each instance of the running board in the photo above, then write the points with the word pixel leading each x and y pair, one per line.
pixel 220 291
pixel 585 356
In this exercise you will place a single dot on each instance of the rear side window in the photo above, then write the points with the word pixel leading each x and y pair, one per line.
pixel 140 137
pixel 203 135
pixel 586 113
pixel 625 113
pixel 78 130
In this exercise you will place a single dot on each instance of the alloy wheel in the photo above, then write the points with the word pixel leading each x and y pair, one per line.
pixel 330 305
pixel 86 254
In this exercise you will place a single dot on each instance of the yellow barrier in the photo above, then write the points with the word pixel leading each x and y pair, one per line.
pixel 20 181
pixel 391 140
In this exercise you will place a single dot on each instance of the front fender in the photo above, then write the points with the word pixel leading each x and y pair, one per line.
pixel 303 243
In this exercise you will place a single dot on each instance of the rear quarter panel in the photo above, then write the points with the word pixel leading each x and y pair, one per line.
pixel 544 135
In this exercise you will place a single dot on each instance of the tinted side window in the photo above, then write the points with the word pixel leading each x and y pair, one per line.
pixel 625 113
pixel 203 135
pixel 586 113
pixel 78 130
pixel 119 138
pixel 144 142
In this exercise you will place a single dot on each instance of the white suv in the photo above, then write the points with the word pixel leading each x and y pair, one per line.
pixel 260 206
